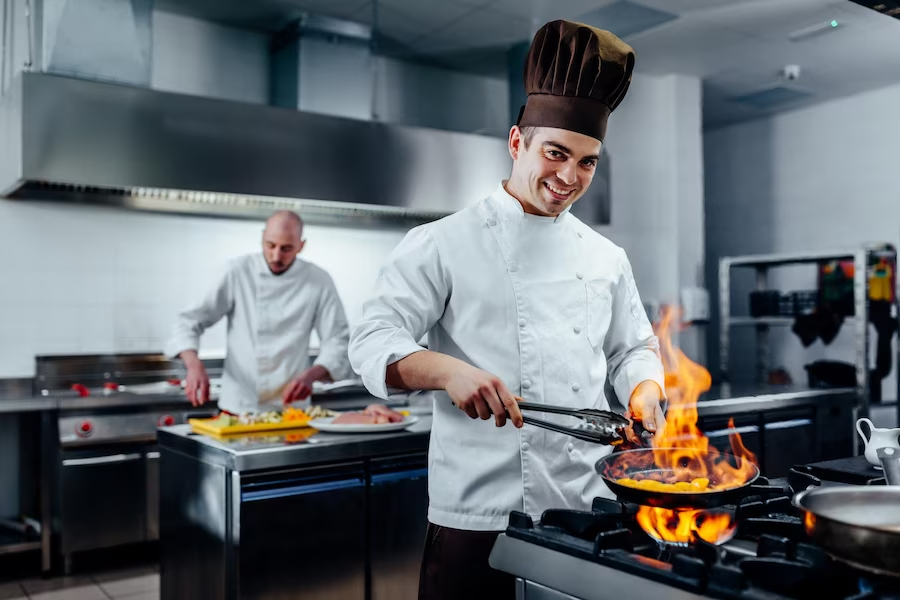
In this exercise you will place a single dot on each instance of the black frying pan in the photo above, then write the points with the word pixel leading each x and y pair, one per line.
pixel 639 464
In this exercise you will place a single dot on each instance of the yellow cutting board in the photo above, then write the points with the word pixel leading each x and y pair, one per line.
pixel 213 427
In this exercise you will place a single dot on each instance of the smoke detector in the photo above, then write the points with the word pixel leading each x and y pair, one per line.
pixel 791 73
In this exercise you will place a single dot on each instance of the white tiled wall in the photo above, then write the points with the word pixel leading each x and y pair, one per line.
pixel 820 178
pixel 656 148
pixel 80 279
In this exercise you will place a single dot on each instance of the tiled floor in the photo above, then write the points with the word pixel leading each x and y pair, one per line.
pixel 130 584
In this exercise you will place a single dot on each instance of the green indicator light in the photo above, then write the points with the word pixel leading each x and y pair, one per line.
pixel 834 23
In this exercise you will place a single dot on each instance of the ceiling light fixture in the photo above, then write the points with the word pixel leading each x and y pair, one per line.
pixel 807 32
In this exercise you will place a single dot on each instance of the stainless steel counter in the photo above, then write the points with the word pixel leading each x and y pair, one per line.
pixel 31 403
pixel 71 401
pixel 255 452
pixel 727 399
pixel 722 398
pixel 262 452
pixel 24 404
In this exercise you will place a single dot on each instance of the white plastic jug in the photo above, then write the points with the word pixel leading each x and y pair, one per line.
pixel 878 438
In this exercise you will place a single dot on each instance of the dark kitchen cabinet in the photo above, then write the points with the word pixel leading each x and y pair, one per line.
pixel 398 506
pixel 779 439
pixel 717 430
pixel 102 499
pixel 303 534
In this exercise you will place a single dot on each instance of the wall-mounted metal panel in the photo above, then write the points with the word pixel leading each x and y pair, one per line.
pixel 86 141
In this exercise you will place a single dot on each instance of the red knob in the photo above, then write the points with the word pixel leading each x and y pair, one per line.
pixel 110 386
pixel 82 390
pixel 167 421
pixel 84 428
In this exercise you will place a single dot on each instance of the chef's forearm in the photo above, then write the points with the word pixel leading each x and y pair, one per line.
pixel 318 373
pixel 425 370
pixel 190 358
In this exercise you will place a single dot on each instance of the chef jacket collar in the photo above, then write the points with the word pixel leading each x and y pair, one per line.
pixel 263 267
pixel 510 206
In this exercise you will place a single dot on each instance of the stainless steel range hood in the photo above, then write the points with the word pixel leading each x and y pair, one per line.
pixel 66 139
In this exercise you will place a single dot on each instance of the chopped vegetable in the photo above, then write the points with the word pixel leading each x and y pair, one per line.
pixel 698 484
pixel 288 415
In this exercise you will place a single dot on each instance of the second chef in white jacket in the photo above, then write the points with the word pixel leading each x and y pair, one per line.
pixel 273 301
pixel 517 296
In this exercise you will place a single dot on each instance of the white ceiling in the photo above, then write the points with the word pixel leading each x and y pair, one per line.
pixel 737 47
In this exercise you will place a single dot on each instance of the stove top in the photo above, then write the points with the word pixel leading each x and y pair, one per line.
pixel 770 556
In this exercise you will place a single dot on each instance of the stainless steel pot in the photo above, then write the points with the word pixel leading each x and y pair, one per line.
pixel 859 525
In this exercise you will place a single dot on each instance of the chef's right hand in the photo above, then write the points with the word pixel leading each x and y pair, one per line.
pixel 480 395
pixel 197 384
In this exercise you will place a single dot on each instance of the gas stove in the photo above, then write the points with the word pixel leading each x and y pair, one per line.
pixel 604 553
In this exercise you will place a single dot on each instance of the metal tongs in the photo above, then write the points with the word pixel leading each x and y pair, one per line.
pixel 599 426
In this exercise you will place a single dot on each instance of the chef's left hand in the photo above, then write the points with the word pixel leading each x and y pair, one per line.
pixel 645 407
pixel 300 388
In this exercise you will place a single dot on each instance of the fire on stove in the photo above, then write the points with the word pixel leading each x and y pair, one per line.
pixel 682 474
pixel 680 526
pixel 768 554
pixel 689 516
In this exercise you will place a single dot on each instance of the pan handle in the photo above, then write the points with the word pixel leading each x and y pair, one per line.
pixel 575 433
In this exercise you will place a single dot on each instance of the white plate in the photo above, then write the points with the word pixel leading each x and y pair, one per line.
pixel 319 387
pixel 324 424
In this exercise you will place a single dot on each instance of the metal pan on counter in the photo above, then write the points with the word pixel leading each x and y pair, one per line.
pixel 640 464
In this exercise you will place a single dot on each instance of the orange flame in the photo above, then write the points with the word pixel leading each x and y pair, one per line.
pixel 681 526
pixel 682 447
pixel 682 453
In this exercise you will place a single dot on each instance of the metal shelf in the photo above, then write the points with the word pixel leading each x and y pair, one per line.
pixel 741 321
pixel 12 542
pixel 762 264
pixel 775 260
pixel 758 321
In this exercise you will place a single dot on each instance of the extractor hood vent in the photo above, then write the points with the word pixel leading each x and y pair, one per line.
pixel 67 139
pixel 234 206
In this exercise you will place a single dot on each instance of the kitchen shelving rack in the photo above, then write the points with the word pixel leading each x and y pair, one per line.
pixel 762 264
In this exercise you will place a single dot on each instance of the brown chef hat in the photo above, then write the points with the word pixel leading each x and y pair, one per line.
pixel 575 75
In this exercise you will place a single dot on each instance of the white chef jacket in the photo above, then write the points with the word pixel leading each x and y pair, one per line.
pixel 546 304
pixel 270 318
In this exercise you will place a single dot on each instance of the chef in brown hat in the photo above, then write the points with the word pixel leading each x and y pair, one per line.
pixel 518 298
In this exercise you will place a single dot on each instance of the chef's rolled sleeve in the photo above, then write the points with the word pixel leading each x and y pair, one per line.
pixel 410 294
pixel 192 322
pixel 631 347
pixel 334 334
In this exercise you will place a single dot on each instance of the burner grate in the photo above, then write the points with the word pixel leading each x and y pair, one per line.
pixel 770 557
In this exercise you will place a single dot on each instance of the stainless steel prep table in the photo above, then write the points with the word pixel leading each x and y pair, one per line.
pixel 333 516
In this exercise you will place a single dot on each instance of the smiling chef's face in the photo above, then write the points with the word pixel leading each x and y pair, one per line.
pixel 282 241
pixel 552 169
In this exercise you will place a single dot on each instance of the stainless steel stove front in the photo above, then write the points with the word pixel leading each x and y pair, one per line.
pixel 529 590
pixel 570 577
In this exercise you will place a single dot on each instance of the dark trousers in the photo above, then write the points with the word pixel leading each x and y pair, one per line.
pixel 455 567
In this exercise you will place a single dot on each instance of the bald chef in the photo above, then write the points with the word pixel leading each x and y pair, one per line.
pixel 517 296
pixel 273 301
